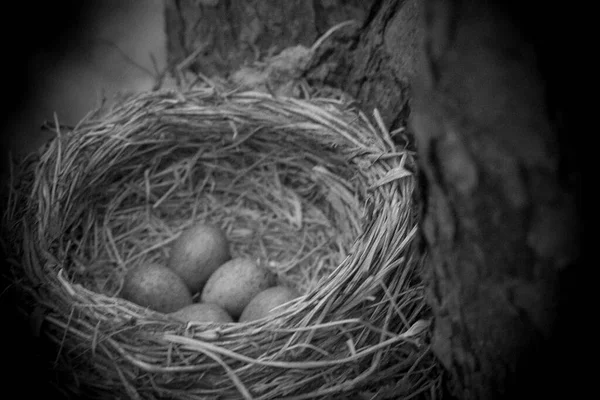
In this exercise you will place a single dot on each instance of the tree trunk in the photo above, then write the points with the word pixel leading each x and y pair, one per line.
pixel 500 181
pixel 376 67
pixel 501 218
pixel 222 35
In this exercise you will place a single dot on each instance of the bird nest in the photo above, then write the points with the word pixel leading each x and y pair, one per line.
pixel 311 189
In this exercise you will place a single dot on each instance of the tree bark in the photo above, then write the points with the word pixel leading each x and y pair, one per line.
pixel 377 64
pixel 500 180
pixel 500 215
pixel 222 35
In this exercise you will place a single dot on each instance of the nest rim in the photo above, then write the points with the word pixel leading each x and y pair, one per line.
pixel 378 250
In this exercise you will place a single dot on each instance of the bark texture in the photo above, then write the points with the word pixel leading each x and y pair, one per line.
pixel 376 64
pixel 501 193
pixel 372 61
pixel 221 35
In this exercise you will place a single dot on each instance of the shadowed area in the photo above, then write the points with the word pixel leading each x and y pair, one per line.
pixel 62 58
pixel 76 57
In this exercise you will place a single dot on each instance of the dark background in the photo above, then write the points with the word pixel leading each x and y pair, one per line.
pixel 57 57
pixel 64 57
pixel 47 30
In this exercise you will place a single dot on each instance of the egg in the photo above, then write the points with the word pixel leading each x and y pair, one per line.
pixel 157 287
pixel 235 283
pixel 197 253
pixel 264 302
pixel 202 312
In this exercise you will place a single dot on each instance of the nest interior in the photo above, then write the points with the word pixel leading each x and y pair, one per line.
pixel 311 189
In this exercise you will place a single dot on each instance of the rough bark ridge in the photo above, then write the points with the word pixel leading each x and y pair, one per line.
pixel 221 35
pixel 376 66
pixel 501 218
